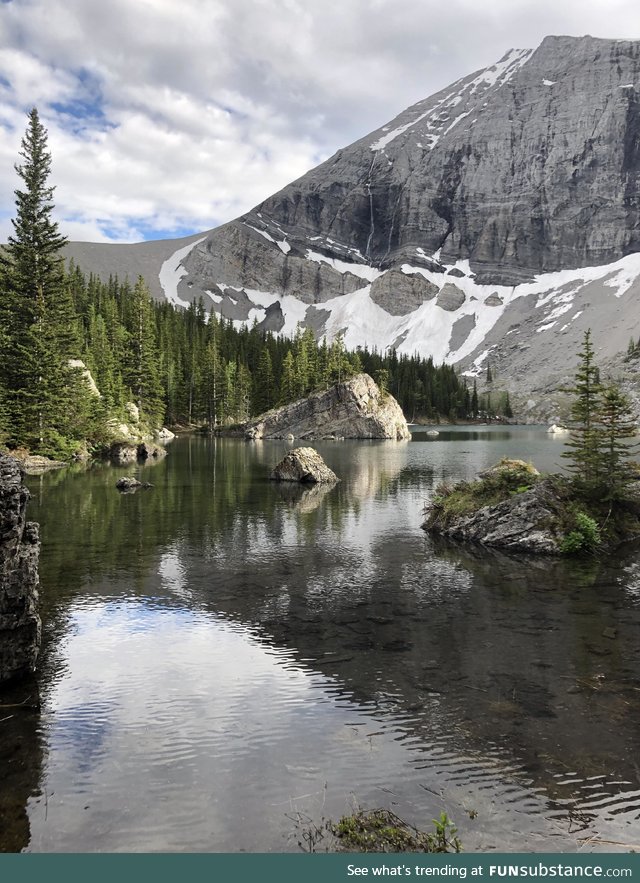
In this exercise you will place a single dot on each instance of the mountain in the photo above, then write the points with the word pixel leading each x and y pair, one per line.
pixel 494 221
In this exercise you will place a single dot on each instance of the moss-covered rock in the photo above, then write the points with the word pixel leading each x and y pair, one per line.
pixel 511 506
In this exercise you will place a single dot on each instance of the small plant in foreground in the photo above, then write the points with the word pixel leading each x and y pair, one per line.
pixel 380 830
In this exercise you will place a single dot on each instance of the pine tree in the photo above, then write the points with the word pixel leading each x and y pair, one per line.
pixel 264 396
pixel 508 412
pixel 617 424
pixel 36 311
pixel 583 444
pixel 142 370
pixel 288 380
pixel 474 399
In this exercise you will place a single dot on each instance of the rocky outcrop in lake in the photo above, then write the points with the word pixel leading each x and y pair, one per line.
pixel 303 465
pixel 19 580
pixel 355 408
pixel 509 507
pixel 523 523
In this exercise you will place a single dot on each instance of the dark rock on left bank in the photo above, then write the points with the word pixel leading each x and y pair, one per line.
pixel 19 554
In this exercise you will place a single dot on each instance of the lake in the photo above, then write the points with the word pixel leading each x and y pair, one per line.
pixel 227 662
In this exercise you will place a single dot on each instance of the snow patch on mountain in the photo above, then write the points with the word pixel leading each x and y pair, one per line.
pixel 431 329
pixel 172 271
pixel 282 244
pixel 502 71
pixel 365 271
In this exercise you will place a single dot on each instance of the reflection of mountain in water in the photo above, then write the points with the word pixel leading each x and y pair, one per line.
pixel 464 648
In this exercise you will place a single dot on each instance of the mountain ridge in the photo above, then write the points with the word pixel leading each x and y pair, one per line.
pixel 465 228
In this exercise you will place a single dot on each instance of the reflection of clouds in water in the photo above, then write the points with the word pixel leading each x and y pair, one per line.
pixel 173 574
pixel 146 715
pixel 193 735
pixel 188 734
pixel 630 580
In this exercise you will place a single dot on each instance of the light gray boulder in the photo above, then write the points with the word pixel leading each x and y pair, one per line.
pixel 528 521
pixel 304 465
pixel 450 297
pixel 355 408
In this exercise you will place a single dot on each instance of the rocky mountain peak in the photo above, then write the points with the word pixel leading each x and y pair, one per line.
pixel 480 223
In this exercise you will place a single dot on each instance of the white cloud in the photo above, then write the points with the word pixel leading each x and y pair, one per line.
pixel 180 114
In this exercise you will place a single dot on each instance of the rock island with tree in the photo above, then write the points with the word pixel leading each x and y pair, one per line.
pixel 594 507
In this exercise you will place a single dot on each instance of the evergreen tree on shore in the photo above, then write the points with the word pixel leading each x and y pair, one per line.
pixel 583 445
pixel 599 450
pixel 43 395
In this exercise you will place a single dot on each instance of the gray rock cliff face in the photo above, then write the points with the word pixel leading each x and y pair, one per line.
pixel 355 408
pixel 526 167
pixel 426 234
pixel 19 553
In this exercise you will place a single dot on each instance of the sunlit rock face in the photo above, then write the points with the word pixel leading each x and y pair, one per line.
pixel 356 408
pixel 19 553
pixel 303 465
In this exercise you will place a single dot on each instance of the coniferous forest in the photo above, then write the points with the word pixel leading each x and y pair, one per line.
pixel 179 366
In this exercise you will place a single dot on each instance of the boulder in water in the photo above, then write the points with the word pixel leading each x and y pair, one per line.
pixel 304 465
pixel 355 408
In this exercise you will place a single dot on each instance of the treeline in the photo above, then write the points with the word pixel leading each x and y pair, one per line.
pixel 185 366
pixel 176 365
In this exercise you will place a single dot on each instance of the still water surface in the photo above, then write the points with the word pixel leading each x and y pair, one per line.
pixel 227 660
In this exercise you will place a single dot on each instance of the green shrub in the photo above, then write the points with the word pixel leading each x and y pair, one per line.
pixel 584 537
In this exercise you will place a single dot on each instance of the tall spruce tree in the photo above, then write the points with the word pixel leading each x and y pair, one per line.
pixel 584 442
pixel 36 311
pixel 143 373
pixel 617 426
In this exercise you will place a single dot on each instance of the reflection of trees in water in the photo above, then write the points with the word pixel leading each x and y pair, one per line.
pixel 20 761
pixel 465 646
pixel 469 648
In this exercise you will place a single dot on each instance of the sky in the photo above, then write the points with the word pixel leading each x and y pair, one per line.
pixel 170 117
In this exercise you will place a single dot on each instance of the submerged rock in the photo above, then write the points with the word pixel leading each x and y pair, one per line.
pixel 303 465
pixel 34 464
pixel 303 498
pixel 128 483
pixel 19 580
pixel 356 408
pixel 150 451
pixel 122 453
